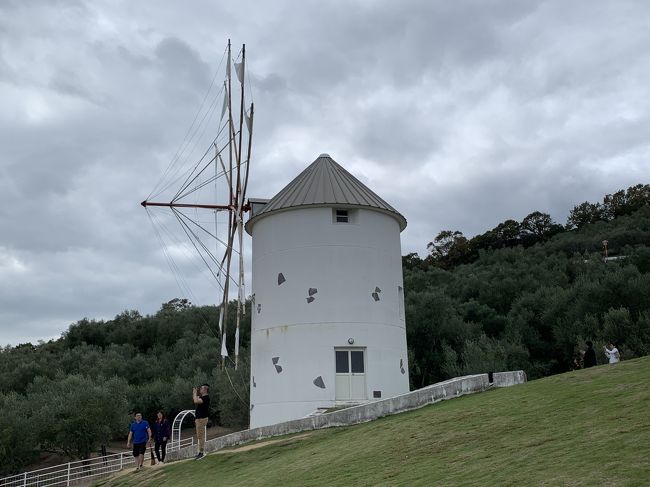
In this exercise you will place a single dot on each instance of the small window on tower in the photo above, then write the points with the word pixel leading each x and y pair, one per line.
pixel 345 215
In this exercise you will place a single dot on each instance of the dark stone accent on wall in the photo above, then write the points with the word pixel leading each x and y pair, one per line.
pixel 311 291
pixel 318 382
pixel 376 394
pixel 259 308
pixel 275 360
pixel 254 383
pixel 281 278
pixel 252 406
pixel 401 366
pixel 375 295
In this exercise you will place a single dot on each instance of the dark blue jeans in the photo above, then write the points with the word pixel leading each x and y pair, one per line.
pixel 161 450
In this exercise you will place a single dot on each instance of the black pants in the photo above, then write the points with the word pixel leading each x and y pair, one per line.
pixel 161 445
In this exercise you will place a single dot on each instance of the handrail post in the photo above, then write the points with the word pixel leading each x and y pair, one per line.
pixel 68 483
pixel 25 479
pixel 121 460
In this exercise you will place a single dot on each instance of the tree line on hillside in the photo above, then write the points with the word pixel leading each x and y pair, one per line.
pixel 72 395
pixel 451 248
pixel 532 308
pixel 527 301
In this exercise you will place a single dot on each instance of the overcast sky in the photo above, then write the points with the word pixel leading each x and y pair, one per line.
pixel 460 114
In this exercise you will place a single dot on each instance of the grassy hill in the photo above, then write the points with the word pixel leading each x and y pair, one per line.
pixel 588 427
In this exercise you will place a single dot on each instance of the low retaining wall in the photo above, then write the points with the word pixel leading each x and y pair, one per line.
pixel 507 379
pixel 362 413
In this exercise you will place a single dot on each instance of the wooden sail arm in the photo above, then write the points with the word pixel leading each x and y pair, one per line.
pixel 146 203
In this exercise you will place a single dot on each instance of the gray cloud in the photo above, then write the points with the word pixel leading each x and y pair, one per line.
pixel 460 114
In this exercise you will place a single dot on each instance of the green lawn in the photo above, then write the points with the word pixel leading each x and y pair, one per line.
pixel 590 427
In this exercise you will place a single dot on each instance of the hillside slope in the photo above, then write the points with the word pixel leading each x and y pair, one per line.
pixel 588 427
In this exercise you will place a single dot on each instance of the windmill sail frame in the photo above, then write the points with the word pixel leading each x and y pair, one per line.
pixel 236 174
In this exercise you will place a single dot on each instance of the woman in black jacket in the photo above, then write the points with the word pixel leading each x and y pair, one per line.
pixel 161 433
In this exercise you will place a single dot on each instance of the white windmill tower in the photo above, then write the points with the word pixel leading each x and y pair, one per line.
pixel 328 322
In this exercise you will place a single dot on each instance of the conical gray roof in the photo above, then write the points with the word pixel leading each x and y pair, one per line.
pixel 325 183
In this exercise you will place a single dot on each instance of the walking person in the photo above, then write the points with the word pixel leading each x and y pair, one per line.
pixel 140 433
pixel 201 397
pixel 589 359
pixel 161 433
pixel 612 353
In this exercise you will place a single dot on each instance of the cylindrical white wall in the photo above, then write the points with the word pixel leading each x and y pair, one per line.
pixel 345 263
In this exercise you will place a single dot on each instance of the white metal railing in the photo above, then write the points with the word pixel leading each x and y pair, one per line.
pixel 69 473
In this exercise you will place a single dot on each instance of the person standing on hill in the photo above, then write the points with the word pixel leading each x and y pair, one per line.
pixel 161 433
pixel 612 353
pixel 201 398
pixel 140 433
pixel 578 362
pixel 589 359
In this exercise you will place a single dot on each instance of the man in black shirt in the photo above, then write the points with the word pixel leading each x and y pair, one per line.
pixel 201 398
pixel 590 356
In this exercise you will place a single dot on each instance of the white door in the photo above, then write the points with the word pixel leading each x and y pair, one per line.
pixel 350 374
